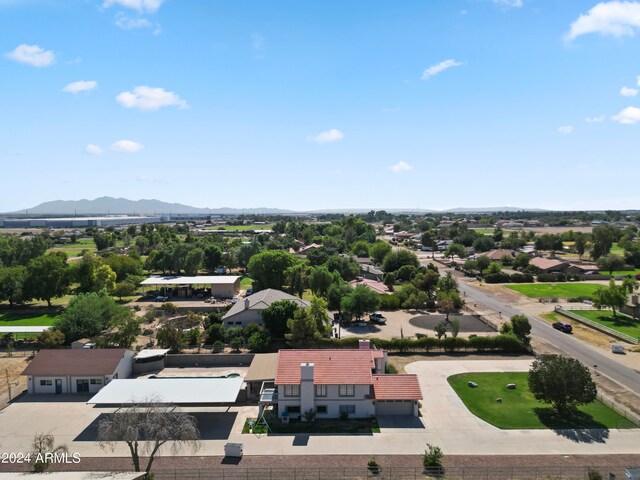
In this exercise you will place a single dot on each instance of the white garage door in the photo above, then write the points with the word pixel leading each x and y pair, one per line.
pixel 394 407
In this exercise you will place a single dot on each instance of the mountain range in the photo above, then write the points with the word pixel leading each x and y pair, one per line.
pixel 123 206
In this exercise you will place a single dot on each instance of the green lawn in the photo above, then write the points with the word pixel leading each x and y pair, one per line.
pixel 622 272
pixel 485 231
pixel 15 318
pixel 520 410
pixel 352 426
pixel 554 290
pixel 75 249
pixel 246 283
pixel 622 323
pixel 617 249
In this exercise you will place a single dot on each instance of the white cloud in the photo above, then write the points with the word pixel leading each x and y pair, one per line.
pixel 128 23
pixel 598 119
pixel 400 167
pixel 628 116
pixel 32 55
pixel 509 3
pixel 92 149
pixel 126 146
pixel 81 86
pixel 440 67
pixel 565 129
pixel 329 136
pixel 148 98
pixel 257 41
pixel 149 6
pixel 628 92
pixel 615 18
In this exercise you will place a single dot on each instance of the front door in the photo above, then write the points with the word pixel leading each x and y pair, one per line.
pixel 58 385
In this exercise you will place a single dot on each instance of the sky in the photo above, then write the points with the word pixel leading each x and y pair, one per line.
pixel 321 105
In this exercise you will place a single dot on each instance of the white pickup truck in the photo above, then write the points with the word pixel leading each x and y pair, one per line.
pixel 378 318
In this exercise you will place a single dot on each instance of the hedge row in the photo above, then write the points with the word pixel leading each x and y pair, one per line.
pixel 502 277
pixel 496 343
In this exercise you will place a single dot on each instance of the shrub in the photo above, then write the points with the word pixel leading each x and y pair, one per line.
pixel 499 277
pixel 389 302
pixel 551 277
pixel 451 344
pixel 479 343
pixel 390 368
pixel 169 308
pixel 432 459
pixel 521 278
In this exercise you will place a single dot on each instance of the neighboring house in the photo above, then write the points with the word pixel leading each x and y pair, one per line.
pixel 582 269
pixel 403 235
pixel 335 383
pixel 249 309
pixel 549 265
pixel 77 370
pixel 262 371
pixel 308 248
pixel 498 255
pixel 221 286
pixel 371 272
pixel 374 285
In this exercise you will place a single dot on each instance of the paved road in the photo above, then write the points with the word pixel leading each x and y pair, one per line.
pixel 570 345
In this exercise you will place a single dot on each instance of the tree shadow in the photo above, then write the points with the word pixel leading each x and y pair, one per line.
pixel 577 426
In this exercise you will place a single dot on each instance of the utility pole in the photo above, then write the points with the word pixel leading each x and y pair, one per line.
pixel 6 371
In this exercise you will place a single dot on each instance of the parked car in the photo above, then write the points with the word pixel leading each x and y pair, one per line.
pixel 160 298
pixel 378 318
pixel 563 327
pixel 249 291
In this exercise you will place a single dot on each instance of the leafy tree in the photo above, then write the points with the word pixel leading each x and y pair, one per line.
pixel 613 296
pixel 104 240
pixel 12 284
pixel 521 261
pixel 602 239
pixel 629 284
pixel 320 280
pixel 193 261
pixel 360 301
pixel 447 283
pixel 267 269
pixel 105 279
pixel 446 303
pixel 562 382
pixel 124 289
pixel 429 240
pixel 378 251
pixel 127 328
pixel 259 342
pixel 390 280
pixel 84 272
pixel 303 328
pixel 416 300
pixel 494 267
pixel 470 265
pixel 348 268
pixel 47 277
pixel 215 333
pixel 483 244
pixel 145 428
pixel 276 316
pixel 337 291
pixel 296 277
pixel 455 249
pixel 426 281
pixel 441 330
pixel 124 266
pixel 432 460
pixel 521 328
pixel 317 310
pixel 171 338
pixel 580 244
pixel 42 446
pixel 212 258
pixel 610 262
pixel 483 263
pixel 399 258
pixel 405 272
pixel 51 338
pixel 87 315
pixel 360 249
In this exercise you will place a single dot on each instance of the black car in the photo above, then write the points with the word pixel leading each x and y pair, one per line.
pixel 563 327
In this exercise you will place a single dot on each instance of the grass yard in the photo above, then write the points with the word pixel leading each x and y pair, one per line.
pixel 485 231
pixel 17 318
pixel 622 272
pixel 75 249
pixel 617 249
pixel 354 426
pixel 520 410
pixel 554 290
pixel 246 283
pixel 622 323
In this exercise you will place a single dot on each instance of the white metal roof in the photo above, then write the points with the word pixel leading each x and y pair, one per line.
pixel 202 280
pixel 23 329
pixel 178 391
pixel 151 352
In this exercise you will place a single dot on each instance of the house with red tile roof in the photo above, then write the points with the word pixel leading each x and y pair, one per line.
pixel 374 285
pixel 339 382
pixel 549 265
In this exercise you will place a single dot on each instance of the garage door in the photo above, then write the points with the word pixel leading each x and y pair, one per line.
pixel 394 407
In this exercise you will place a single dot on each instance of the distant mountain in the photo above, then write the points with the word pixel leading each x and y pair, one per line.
pixel 493 210
pixel 123 206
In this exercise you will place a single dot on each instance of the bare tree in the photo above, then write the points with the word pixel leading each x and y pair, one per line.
pixel 43 446
pixel 145 427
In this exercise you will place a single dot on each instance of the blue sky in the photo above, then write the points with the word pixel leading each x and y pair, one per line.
pixel 331 104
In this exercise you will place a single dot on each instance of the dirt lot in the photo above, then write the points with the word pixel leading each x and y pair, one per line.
pixel 400 360
pixel 12 367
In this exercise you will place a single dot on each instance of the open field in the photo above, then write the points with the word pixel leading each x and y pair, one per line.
pixel 520 410
pixel 554 290
pixel 621 323
pixel 26 318
pixel 485 231
pixel 75 249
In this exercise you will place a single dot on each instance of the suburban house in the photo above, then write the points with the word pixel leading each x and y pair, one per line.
pixel 249 309
pixel 582 269
pixel 220 286
pixel 308 248
pixel 77 370
pixel 374 285
pixel 403 235
pixel 371 272
pixel 498 255
pixel 344 382
pixel 549 265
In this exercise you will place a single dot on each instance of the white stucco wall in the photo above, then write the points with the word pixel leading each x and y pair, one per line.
pixel 364 407
pixel 245 317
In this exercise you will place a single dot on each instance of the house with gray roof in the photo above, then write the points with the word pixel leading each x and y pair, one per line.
pixel 249 309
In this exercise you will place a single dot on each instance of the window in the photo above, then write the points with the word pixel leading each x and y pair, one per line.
pixel 291 410
pixel 45 383
pixel 96 381
pixel 348 409
pixel 82 385
pixel 347 390
pixel 292 390
pixel 320 409
pixel 321 390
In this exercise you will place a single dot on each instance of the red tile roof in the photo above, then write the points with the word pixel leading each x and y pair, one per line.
pixel 396 387
pixel 374 285
pixel 75 361
pixel 546 263
pixel 331 367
